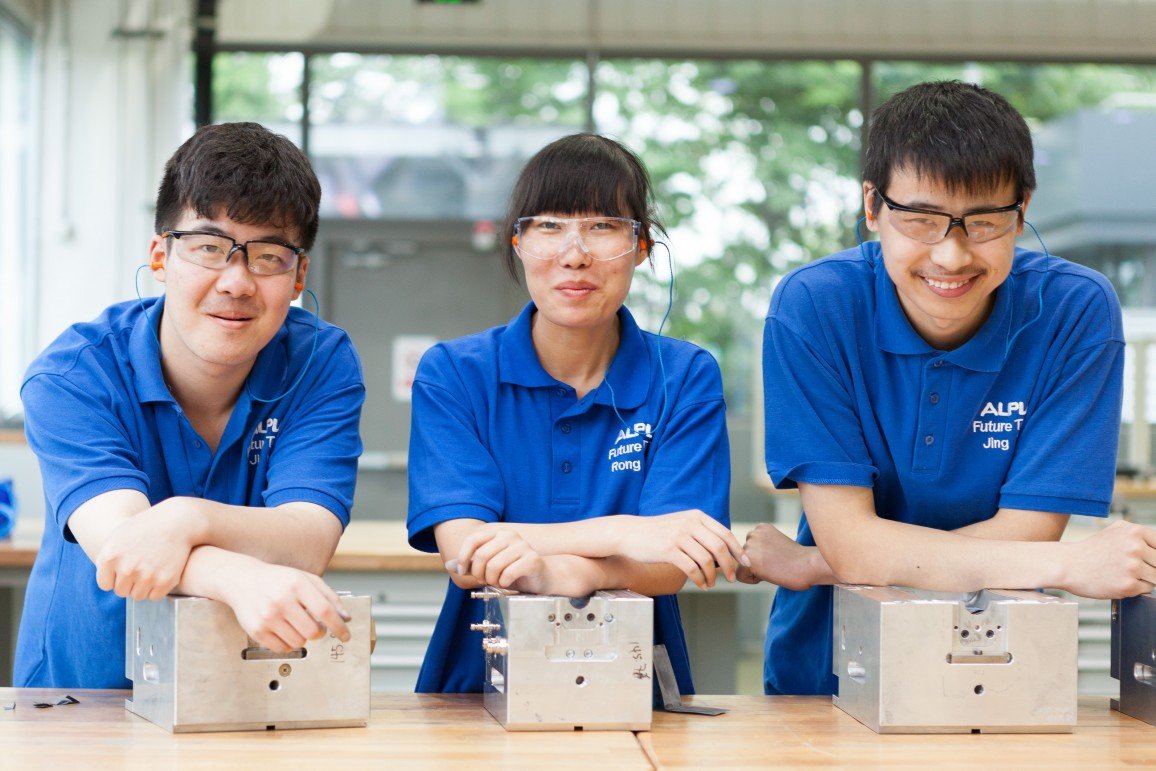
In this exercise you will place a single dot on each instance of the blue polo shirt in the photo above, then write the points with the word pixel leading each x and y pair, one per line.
pixel 1025 415
pixel 496 438
pixel 99 417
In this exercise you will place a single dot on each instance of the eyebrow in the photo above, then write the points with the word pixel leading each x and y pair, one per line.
pixel 208 227
pixel 973 210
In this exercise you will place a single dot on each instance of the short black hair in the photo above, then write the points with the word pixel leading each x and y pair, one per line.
pixel 581 174
pixel 246 171
pixel 961 134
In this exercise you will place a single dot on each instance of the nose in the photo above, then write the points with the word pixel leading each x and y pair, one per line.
pixel 573 253
pixel 236 279
pixel 952 253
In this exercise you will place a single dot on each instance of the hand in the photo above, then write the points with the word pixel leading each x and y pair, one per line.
pixel 1119 561
pixel 690 540
pixel 496 555
pixel 777 558
pixel 282 607
pixel 144 557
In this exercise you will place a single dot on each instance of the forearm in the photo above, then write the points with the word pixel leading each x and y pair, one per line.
pixel 298 535
pixel 862 548
pixel 1018 525
pixel 925 558
pixel 594 538
pixel 810 568
pixel 570 575
pixel 211 572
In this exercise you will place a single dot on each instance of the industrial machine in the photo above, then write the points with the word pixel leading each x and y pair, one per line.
pixel 193 668
pixel 561 663
pixel 1134 656
pixel 993 661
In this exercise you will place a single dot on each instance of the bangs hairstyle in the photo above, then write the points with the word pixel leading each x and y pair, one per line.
pixel 248 173
pixel 961 135
pixel 581 174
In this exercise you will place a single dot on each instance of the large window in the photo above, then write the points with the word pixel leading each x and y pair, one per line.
pixel 756 168
pixel 433 137
pixel 17 193
pixel 756 163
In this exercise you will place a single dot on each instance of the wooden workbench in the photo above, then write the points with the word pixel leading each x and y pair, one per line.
pixel 453 731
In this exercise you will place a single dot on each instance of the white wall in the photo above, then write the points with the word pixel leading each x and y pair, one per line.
pixel 115 104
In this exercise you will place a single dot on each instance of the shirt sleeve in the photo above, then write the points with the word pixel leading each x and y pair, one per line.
pixel 452 474
pixel 81 443
pixel 813 430
pixel 315 458
pixel 689 465
pixel 1065 458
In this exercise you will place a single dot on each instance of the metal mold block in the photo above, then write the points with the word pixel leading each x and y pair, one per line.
pixel 193 668
pixel 1134 656
pixel 994 661
pixel 556 663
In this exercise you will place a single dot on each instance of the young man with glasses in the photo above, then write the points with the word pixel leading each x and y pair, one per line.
pixel 204 442
pixel 942 400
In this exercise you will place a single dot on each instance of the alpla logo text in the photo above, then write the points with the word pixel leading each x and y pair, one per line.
pixel 1004 410
pixel 637 430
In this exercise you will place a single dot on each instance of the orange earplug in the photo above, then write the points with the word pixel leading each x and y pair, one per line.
pixel 299 286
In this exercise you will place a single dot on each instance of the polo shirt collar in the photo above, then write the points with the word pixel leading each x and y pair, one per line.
pixel 628 375
pixel 984 352
pixel 144 353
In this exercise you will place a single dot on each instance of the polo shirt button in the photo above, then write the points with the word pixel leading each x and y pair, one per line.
pixel 196 444
pixel 934 398
pixel 938 363
pixel 929 439
pixel 565 428
pixel 566 467
pixel 561 391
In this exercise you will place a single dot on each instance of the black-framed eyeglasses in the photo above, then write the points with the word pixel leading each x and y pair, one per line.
pixel 213 251
pixel 930 227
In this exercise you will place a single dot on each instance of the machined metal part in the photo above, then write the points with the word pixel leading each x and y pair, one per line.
pixel 193 668
pixel 1134 656
pixel 557 663
pixel 995 661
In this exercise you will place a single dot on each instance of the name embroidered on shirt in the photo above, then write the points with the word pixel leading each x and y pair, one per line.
pixel 1002 410
pixel 633 448
pixel 263 436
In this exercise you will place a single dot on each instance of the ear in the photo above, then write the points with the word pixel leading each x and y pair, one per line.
pixel 299 277
pixel 643 253
pixel 869 206
pixel 1024 213
pixel 158 253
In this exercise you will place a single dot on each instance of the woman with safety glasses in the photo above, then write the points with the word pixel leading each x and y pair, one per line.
pixel 569 451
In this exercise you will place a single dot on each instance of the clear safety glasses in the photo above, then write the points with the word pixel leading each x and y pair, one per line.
pixel 213 251
pixel 930 227
pixel 602 238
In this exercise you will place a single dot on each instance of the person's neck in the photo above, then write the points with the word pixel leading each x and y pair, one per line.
pixel 206 393
pixel 577 357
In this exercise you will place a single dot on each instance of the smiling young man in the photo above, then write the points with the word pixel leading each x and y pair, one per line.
pixel 204 442
pixel 942 400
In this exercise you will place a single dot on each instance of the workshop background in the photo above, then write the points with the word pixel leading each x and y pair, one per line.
pixel 419 114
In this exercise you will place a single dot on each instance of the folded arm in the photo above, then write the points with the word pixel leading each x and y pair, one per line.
pixel 264 563
pixel 1013 549
pixel 479 553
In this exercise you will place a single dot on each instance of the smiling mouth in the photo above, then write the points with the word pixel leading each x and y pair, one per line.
pixel 231 318
pixel 950 284
pixel 947 284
